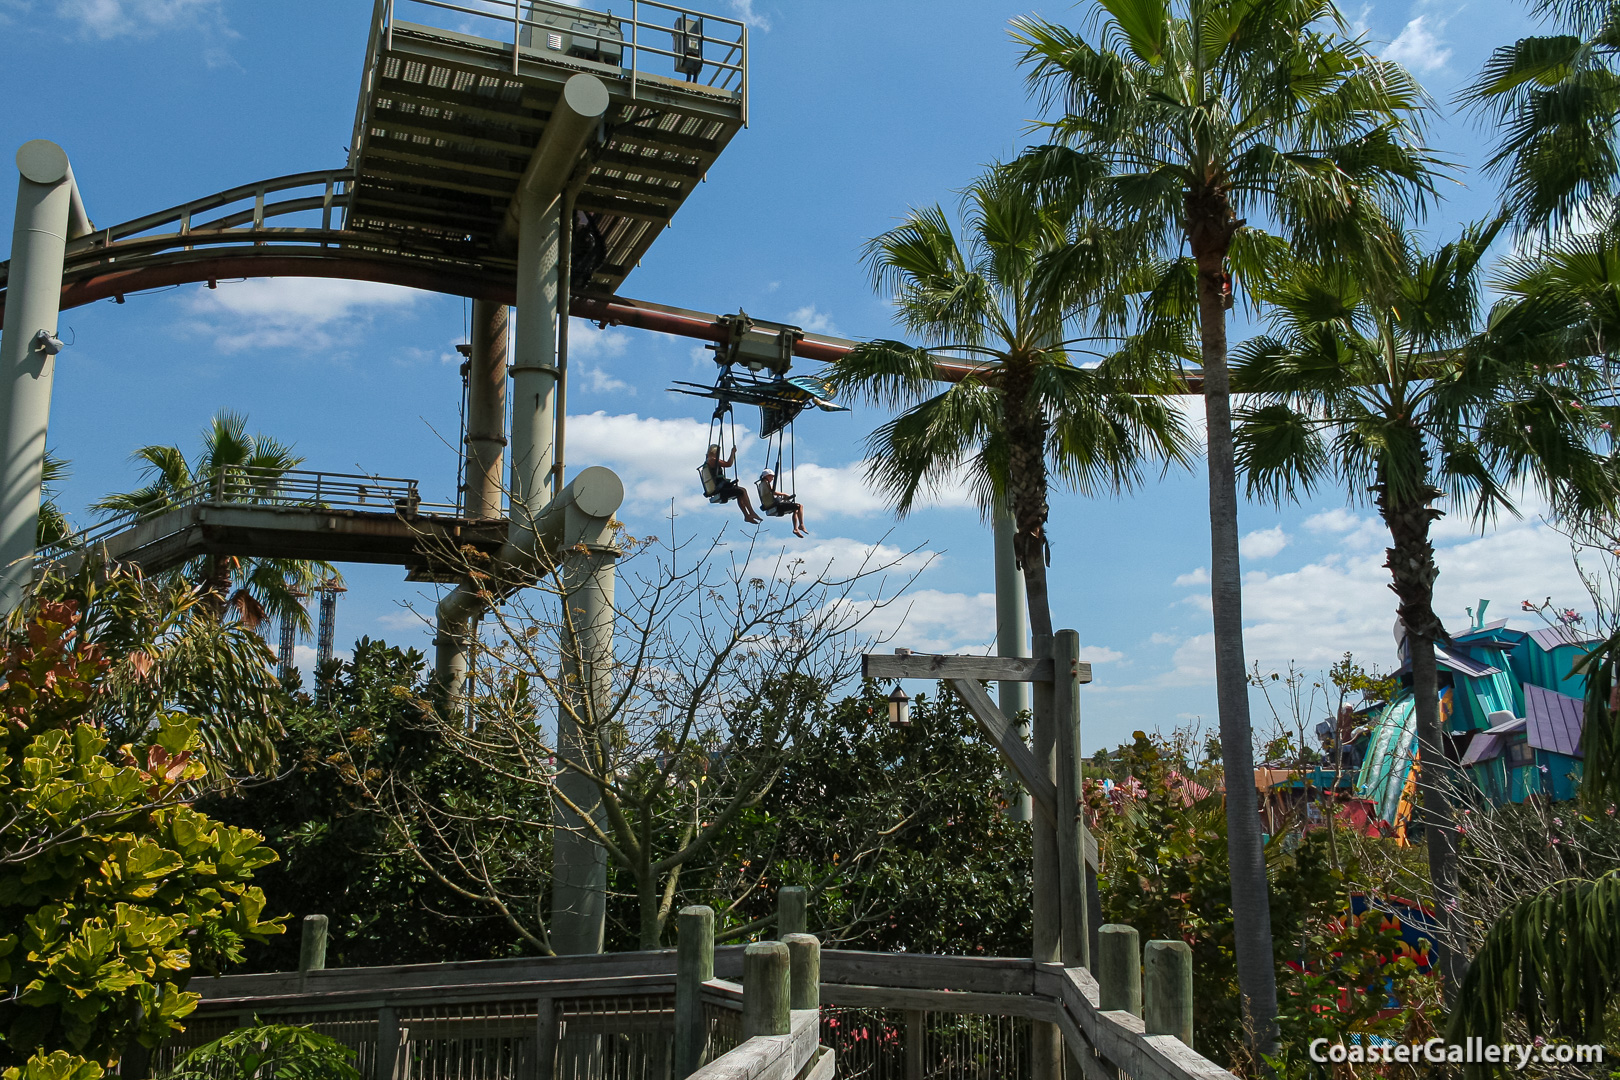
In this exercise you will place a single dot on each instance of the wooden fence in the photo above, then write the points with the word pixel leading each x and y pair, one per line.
pixel 615 1016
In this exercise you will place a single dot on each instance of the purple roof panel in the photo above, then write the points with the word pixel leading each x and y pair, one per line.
pixel 1484 747
pixel 1463 664
pixel 1554 720
pixel 1551 637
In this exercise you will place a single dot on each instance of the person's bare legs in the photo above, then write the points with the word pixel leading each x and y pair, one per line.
pixel 746 505
pixel 798 521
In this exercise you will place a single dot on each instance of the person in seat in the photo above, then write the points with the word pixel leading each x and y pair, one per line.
pixel 721 488
pixel 779 503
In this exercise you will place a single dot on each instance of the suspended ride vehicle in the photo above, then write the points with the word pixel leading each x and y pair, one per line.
pixel 754 364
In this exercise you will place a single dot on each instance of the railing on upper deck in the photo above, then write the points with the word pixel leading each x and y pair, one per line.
pixel 657 39
pixel 238 485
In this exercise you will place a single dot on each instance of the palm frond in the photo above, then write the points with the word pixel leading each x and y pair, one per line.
pixel 1553 959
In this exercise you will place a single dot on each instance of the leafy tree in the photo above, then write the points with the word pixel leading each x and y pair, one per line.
pixel 1385 383
pixel 112 889
pixel 1030 413
pixel 1563 297
pixel 1165 872
pixel 337 855
pixel 237 467
pixel 1193 120
pixel 268 1052
pixel 166 654
pixel 900 834
pixel 1551 101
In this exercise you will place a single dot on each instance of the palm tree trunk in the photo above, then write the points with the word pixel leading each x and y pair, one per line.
pixel 1026 481
pixel 1251 900
pixel 1412 567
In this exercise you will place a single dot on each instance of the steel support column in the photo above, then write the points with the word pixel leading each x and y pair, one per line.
pixel 534 370
pixel 486 410
pixel 485 450
pixel 538 212
pixel 1012 639
pixel 45 197
pixel 579 863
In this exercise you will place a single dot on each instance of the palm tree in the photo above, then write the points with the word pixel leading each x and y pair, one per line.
pixel 1384 381
pixel 1199 116
pixel 1565 294
pixel 1004 296
pixel 1552 101
pixel 53 523
pixel 251 589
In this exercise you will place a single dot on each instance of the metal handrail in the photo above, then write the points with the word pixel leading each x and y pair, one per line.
pixel 729 74
pixel 138 235
pixel 237 485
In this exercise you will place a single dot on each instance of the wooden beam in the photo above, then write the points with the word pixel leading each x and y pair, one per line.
pixel 1006 738
pixel 1042 792
pixel 931 666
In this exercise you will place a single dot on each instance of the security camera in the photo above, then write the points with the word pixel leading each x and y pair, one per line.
pixel 47 343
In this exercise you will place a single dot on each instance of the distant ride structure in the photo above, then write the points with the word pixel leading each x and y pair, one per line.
pixel 517 152
pixel 522 153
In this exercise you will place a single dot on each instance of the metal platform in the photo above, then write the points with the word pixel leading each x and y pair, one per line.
pixel 332 517
pixel 453 105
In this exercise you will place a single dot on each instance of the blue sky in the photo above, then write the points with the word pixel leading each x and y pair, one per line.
pixel 859 111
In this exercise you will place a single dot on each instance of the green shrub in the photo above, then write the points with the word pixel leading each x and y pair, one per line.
pixel 268 1052
pixel 112 889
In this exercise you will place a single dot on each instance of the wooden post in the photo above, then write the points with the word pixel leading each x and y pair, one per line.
pixel 545 1038
pixel 916 1037
pixel 1066 803
pixel 694 966
pixel 1119 968
pixel 804 965
pixel 1169 990
pixel 387 1042
pixel 792 911
pixel 767 992
pixel 312 946
pixel 1046 1042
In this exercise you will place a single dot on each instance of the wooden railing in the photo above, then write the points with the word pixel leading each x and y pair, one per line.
pixel 620 1014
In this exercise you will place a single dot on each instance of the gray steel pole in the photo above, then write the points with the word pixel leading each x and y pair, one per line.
pixel 575 118
pixel 534 367
pixel 1012 639
pixel 33 303
pixel 579 863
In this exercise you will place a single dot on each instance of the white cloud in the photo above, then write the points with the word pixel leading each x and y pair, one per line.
pixel 111 19
pixel 1419 47
pixel 813 319
pixel 658 459
pixel 929 620
pixel 1263 543
pixel 744 10
pixel 586 341
pixel 1314 614
pixel 118 18
pixel 404 619
pixel 306 314
pixel 1100 654
pixel 1199 576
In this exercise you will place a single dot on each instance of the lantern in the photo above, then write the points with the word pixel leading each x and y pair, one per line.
pixel 899 708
